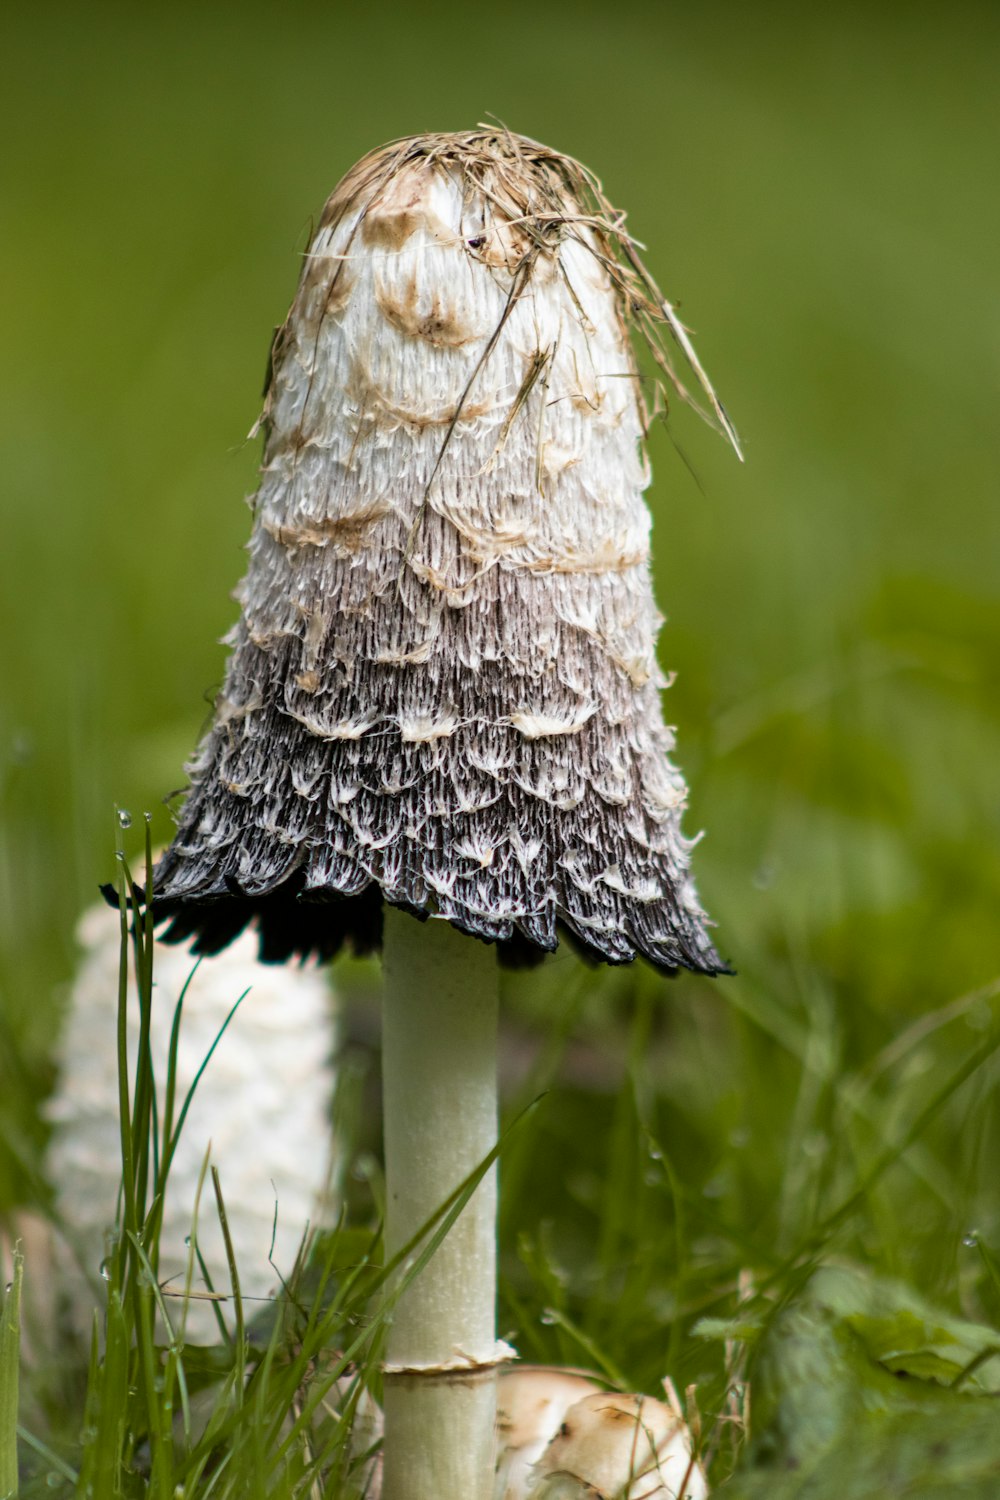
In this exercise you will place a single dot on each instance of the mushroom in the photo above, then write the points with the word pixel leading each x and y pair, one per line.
pixel 561 1436
pixel 440 719
pixel 613 1447
pixel 262 1104
pixel 532 1402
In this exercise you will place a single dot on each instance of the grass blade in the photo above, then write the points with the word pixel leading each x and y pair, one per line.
pixel 10 1354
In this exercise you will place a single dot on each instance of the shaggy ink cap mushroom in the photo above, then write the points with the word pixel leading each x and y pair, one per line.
pixel 262 1105
pixel 443 688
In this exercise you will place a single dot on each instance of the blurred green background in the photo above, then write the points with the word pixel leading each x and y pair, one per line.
pixel 817 188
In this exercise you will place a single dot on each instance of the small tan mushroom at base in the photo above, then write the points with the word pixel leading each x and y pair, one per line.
pixel 560 1437
pixel 613 1447
pixel 532 1401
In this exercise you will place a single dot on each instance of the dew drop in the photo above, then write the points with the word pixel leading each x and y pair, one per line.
pixel 105 1269
pixel 124 818
pixel 548 1318
pixel 971 1239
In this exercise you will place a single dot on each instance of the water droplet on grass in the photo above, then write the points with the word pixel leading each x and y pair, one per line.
pixel 548 1318
pixel 971 1239
pixel 124 818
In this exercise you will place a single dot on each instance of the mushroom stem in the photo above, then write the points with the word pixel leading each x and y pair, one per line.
pixel 439 1044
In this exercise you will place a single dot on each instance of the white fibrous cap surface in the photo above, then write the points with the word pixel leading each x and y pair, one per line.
pixel 446 653
pixel 613 1447
pixel 263 1102
pixel 532 1401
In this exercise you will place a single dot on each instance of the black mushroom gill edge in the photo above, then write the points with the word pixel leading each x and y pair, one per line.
pixel 291 925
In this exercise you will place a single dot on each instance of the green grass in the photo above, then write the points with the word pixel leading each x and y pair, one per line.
pixel 10 1366
pixel 811 1365
pixel 269 1411
pixel 816 189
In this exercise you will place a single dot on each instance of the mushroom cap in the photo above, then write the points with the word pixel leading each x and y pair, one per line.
pixel 614 1447
pixel 443 689
pixel 262 1104
pixel 532 1401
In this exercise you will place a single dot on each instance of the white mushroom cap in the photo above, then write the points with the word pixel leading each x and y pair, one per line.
pixel 263 1103
pixel 613 1447
pixel 532 1401
pixel 443 689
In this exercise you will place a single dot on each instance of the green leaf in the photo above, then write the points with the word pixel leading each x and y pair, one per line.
pixel 950 1450
pixel 863 1389
pixel 906 1343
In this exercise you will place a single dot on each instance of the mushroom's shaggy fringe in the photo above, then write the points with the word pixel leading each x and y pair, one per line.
pixel 443 688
